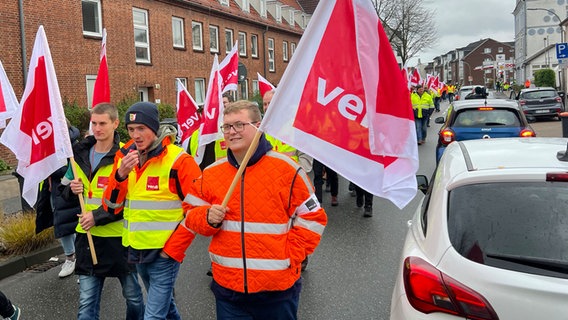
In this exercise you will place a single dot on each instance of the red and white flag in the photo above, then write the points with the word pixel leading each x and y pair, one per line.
pixel 415 78
pixel 263 85
pixel 38 133
pixel 343 101
pixel 432 82
pixel 101 91
pixel 8 100
pixel 405 77
pixel 188 118
pixel 229 70
pixel 209 130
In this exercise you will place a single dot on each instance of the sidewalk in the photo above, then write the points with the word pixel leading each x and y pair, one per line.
pixel 10 203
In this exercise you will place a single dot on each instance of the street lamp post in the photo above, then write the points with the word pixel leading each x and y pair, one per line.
pixel 494 67
pixel 469 69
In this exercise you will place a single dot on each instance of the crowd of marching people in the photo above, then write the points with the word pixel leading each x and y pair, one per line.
pixel 146 199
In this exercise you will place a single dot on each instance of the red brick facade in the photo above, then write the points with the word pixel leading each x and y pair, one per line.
pixel 75 55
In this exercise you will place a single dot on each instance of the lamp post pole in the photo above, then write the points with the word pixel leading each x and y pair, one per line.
pixel 494 68
pixel 469 69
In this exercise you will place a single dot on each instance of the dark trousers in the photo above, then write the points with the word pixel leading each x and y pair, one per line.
pixel 6 309
pixel 366 196
pixel 318 169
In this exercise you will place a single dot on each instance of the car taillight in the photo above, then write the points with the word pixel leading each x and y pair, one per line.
pixel 447 136
pixel 522 102
pixel 559 176
pixel 525 133
pixel 428 290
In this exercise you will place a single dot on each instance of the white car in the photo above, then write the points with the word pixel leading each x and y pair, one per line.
pixel 490 238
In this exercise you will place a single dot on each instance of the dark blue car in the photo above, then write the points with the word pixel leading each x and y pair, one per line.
pixel 481 119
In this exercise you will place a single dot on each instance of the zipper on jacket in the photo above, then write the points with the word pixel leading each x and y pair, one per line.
pixel 243 232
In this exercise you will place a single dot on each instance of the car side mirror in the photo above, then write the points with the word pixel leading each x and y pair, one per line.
pixel 422 182
pixel 530 119
pixel 439 120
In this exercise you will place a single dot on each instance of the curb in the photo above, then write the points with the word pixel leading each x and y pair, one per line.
pixel 18 264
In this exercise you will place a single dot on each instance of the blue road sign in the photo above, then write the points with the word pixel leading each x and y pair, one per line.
pixel 561 50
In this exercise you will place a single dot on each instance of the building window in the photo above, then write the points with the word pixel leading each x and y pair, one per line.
pixel 141 36
pixel 285 50
pixel 92 22
pixel 487 50
pixel 199 91
pixel 292 48
pixel 278 10
pixel 90 78
pixel 242 44
pixel 262 4
pixel 224 2
pixel 178 34
pixel 182 80
pixel 197 35
pixel 255 88
pixel 244 89
pixel 229 40
pixel 254 45
pixel 214 39
pixel 271 66
pixel 500 50
pixel 291 12
pixel 245 5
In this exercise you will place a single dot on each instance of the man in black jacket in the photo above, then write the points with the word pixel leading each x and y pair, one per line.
pixel 95 158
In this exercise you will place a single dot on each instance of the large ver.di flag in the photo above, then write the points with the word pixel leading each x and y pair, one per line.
pixel 343 101
pixel 38 133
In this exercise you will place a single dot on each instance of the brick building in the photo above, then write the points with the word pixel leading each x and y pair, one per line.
pixel 150 43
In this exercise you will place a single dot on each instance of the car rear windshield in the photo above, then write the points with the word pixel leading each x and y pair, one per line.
pixel 515 226
pixel 484 118
pixel 540 94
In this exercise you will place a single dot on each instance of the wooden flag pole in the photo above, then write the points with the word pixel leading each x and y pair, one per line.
pixel 82 202
pixel 242 166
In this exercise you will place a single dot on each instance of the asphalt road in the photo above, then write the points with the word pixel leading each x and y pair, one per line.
pixel 350 276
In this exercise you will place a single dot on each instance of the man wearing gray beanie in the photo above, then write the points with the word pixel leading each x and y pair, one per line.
pixel 149 181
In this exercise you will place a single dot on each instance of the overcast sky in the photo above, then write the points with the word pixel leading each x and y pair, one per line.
pixel 460 22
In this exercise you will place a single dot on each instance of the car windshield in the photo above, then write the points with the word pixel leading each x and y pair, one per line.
pixel 483 118
pixel 540 94
pixel 515 226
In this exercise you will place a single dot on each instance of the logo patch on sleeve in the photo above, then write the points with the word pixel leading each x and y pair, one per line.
pixel 102 182
pixel 311 204
pixel 153 183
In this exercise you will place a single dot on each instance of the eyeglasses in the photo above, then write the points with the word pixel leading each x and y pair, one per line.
pixel 238 126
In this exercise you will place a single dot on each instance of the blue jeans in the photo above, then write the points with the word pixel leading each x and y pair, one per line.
pixel 91 288
pixel 159 277
pixel 68 244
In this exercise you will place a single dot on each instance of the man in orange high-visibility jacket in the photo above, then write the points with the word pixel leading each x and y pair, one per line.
pixel 272 221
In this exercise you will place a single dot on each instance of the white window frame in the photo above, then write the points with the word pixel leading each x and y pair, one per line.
pixel 242 44
pixel 178 27
pixel 271 62
pixel 254 45
pixel 285 51
pixel 262 4
pixel 229 40
pixel 255 88
pixel 214 39
pixel 98 21
pixel 142 27
pixel 292 48
pixel 182 80
pixel 199 91
pixel 90 84
pixel 243 86
pixel 291 16
pixel 487 50
pixel 224 2
pixel 278 10
pixel 245 5
pixel 197 43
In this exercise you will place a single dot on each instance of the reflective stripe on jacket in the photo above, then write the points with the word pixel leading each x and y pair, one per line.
pixel 421 102
pixel 93 194
pixel 151 210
